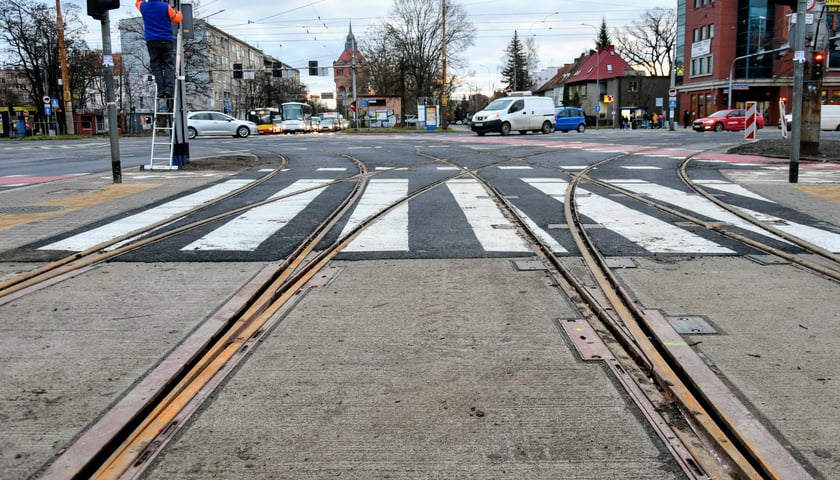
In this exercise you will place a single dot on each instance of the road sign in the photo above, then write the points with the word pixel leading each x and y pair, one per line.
pixel 672 103
pixel 47 110
pixel 597 108
pixel 46 99
pixel 672 92
pixel 54 103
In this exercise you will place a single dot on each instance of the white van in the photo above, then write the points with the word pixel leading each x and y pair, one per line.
pixel 829 118
pixel 519 111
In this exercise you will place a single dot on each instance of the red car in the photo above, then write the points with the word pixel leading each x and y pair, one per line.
pixel 725 120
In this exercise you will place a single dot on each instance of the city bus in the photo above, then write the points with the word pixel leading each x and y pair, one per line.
pixel 297 117
pixel 265 119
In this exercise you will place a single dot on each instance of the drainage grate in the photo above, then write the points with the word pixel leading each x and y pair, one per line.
pixel 28 209
pixel 692 325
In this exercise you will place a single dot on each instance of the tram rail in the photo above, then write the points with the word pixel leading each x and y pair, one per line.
pixel 608 307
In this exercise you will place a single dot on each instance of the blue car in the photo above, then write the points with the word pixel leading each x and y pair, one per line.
pixel 570 118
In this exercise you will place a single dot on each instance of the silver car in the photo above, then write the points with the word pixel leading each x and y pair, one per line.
pixel 216 123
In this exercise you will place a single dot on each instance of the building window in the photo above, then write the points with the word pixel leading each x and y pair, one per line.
pixel 712 31
pixel 696 35
pixel 609 67
pixel 703 33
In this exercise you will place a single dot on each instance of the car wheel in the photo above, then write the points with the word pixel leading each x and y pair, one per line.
pixel 191 133
pixel 243 131
pixel 547 128
pixel 718 127
pixel 581 128
pixel 505 129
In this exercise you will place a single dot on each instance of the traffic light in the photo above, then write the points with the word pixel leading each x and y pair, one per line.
pixel 353 106
pixel 276 69
pixel 313 68
pixel 99 8
pixel 237 70
pixel 608 99
pixel 817 65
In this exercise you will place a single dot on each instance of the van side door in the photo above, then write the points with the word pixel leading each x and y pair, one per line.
pixel 518 116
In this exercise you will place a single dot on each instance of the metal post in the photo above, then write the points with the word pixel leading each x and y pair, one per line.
pixel 798 74
pixel 108 70
pixel 181 145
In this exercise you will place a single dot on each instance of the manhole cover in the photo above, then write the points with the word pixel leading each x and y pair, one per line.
pixel 28 209
pixel 621 262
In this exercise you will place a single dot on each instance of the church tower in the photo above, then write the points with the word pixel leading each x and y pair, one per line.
pixel 342 71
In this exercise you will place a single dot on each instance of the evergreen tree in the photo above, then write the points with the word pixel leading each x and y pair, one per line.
pixel 603 39
pixel 516 74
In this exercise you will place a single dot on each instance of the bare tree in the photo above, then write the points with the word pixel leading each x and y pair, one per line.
pixel 410 59
pixel 649 42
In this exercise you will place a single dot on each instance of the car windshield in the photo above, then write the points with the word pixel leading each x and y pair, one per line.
pixel 500 104
pixel 719 113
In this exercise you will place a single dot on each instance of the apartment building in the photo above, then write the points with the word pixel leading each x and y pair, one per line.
pixel 744 44
pixel 223 73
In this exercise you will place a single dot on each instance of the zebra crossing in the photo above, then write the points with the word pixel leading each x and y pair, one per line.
pixel 491 229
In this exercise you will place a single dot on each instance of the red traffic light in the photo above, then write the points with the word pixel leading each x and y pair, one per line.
pixel 353 106
pixel 817 65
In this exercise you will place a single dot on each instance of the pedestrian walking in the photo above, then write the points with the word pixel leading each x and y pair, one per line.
pixel 158 17
pixel 686 119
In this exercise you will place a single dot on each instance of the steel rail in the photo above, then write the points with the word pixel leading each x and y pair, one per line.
pixel 144 443
pixel 46 272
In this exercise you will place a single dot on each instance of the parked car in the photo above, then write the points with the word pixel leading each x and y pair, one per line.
pixel 216 123
pixel 732 119
pixel 829 118
pixel 570 118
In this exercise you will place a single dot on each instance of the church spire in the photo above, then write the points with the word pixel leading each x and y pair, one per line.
pixel 351 40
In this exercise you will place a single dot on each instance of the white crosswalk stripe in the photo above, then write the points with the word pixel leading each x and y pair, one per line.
pixel 261 222
pixel 489 225
pixel 390 233
pixel 116 229
pixel 648 232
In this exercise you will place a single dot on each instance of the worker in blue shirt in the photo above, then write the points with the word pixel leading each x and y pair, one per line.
pixel 158 17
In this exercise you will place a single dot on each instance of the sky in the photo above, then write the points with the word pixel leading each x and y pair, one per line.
pixel 297 31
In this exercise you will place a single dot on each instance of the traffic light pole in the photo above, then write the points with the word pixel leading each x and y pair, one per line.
pixel 108 70
pixel 798 74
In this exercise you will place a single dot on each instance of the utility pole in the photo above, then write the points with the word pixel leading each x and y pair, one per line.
pixel 65 84
pixel 443 95
pixel 798 73
pixel 108 70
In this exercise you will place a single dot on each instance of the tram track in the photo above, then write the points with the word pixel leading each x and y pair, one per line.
pixel 279 289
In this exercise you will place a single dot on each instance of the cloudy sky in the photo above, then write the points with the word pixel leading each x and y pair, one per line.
pixel 297 31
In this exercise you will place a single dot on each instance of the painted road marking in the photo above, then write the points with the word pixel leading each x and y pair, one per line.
pixel 389 233
pixel 650 233
pixel 493 230
pixel 112 230
pixel 261 222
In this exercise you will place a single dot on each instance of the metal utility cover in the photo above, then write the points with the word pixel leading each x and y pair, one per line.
pixel 528 265
pixel 621 262
pixel 695 325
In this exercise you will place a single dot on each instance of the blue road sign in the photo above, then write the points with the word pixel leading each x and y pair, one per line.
pixel 672 103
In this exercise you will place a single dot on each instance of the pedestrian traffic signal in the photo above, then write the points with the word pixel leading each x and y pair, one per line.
pixel 313 68
pixel 99 8
pixel 817 65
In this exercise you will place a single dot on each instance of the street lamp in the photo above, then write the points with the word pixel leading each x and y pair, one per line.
pixel 597 77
